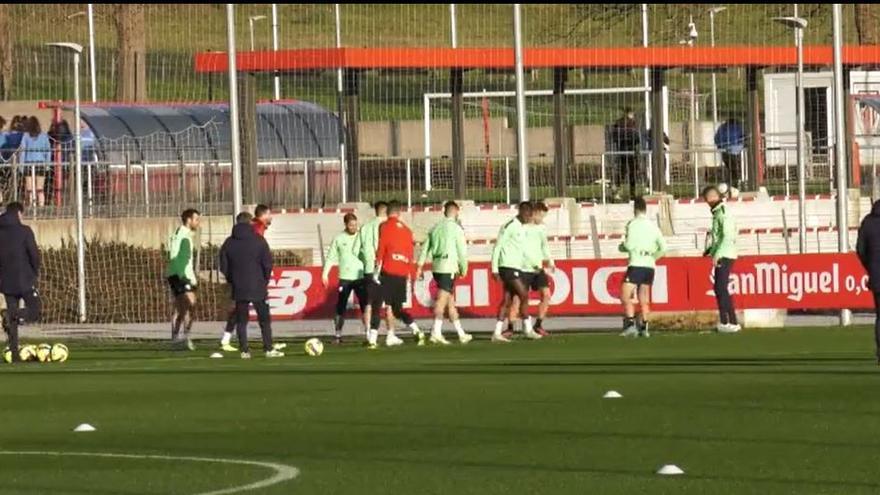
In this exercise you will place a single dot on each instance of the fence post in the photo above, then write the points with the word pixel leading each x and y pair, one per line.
pixel 408 183
pixel 306 184
pixel 146 189
pixel 786 234
pixel 787 177
pixel 603 180
pixel 507 179
pixel 697 173
pixel 594 234
pixel 34 187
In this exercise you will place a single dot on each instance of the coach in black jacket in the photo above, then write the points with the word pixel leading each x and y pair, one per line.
pixel 19 269
pixel 868 248
pixel 246 262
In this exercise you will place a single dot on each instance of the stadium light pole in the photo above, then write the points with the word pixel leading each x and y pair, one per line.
pixel 234 124
pixel 522 149
pixel 839 144
pixel 799 24
pixel 76 50
pixel 712 12
pixel 277 81
pixel 647 74
pixel 453 25
pixel 251 20
pixel 342 165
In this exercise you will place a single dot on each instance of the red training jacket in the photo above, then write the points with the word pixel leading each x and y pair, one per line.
pixel 259 227
pixel 395 252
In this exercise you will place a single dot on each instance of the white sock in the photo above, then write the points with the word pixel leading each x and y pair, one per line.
pixel 499 327
pixel 528 324
pixel 372 336
pixel 227 338
pixel 438 327
pixel 415 328
pixel 458 327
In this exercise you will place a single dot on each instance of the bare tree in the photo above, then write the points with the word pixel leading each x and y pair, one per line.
pixel 868 23
pixel 5 53
pixel 131 81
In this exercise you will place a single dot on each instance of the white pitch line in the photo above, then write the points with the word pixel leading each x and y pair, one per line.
pixel 283 472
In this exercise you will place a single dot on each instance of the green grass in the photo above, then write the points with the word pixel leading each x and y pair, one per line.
pixel 764 412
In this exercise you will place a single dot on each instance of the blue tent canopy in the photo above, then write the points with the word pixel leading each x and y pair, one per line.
pixel 286 130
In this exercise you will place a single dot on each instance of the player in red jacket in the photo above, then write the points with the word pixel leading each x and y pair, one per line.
pixel 395 266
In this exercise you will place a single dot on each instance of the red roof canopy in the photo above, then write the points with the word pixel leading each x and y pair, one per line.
pixel 502 58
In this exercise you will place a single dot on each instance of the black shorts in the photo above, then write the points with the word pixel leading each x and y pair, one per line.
pixel 393 289
pixel 539 281
pixel 371 289
pixel 639 275
pixel 509 276
pixel 445 281
pixel 346 287
pixel 180 286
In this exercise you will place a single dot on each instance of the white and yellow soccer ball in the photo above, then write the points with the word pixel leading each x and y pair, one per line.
pixel 28 353
pixel 7 355
pixel 59 353
pixel 314 347
pixel 44 353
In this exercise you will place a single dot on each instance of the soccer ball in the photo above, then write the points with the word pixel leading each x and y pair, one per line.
pixel 734 193
pixel 28 353
pixel 314 347
pixel 7 355
pixel 44 353
pixel 59 353
pixel 722 188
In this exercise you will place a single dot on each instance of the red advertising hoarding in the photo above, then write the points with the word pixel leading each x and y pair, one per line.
pixel 592 287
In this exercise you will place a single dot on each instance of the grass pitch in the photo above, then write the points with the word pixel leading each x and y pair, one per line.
pixel 792 411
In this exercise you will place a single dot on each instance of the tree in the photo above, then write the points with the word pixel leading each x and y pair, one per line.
pixel 5 53
pixel 131 56
pixel 868 23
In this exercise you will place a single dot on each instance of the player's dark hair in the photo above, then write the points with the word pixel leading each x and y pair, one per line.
pixel 244 217
pixel 261 211
pixel 706 190
pixel 449 205
pixel 393 206
pixel 188 214
pixel 348 218
pixel 15 207
pixel 639 205
pixel 525 208
pixel 540 206
pixel 379 206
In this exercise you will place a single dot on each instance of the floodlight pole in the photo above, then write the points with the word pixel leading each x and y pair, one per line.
pixel 647 75
pixel 453 25
pixel 76 50
pixel 712 12
pixel 234 124
pixel 277 80
pixel 343 172
pixel 522 149
pixel 840 144
pixel 92 71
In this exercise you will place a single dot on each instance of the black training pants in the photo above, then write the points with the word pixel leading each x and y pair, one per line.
pixel 726 311
pixel 263 316
pixel 14 314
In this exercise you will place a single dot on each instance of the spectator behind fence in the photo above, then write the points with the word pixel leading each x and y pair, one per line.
pixel 625 138
pixel 12 138
pixel 730 141
pixel 36 156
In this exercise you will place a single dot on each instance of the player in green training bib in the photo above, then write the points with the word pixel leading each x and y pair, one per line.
pixel 181 275
pixel 351 274
pixel 644 245
pixel 447 249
